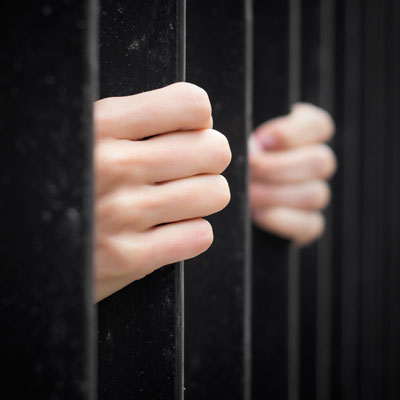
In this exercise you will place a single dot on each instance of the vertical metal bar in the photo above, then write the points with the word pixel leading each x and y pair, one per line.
pixel 295 67
pixel 248 290
pixel 317 83
pixel 47 82
pixel 141 326
pixel 271 256
pixel 317 80
pixel 295 21
pixel 372 149
pixel 393 194
pixel 380 214
pixel 218 283
pixel 391 217
pixel 364 363
pixel 310 76
pixel 324 249
pixel 346 329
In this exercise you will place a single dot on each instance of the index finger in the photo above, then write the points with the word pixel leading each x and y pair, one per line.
pixel 306 124
pixel 181 106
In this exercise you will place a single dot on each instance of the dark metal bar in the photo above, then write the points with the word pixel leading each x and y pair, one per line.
pixel 346 329
pixel 310 92
pixel 295 69
pixel 47 80
pixel 365 360
pixel 248 270
pixel 392 219
pixel 380 182
pixel 317 87
pixel 218 283
pixel 141 327
pixel 371 180
pixel 324 245
pixel 271 256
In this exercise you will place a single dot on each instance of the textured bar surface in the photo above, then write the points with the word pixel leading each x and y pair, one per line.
pixel 366 284
pixel 141 326
pixel 46 303
pixel 217 283
pixel 271 255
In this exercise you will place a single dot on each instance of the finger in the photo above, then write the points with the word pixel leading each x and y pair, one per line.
pixel 306 124
pixel 181 106
pixel 141 208
pixel 311 195
pixel 301 226
pixel 161 158
pixel 295 165
pixel 130 257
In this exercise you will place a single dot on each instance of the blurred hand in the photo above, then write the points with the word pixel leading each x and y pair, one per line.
pixel 157 163
pixel 289 167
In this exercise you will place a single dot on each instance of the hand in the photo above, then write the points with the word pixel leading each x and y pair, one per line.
pixel 289 166
pixel 157 165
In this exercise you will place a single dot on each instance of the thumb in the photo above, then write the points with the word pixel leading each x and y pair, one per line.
pixel 305 124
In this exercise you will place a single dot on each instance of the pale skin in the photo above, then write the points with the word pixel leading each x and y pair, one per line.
pixel 290 164
pixel 151 194
pixel 158 166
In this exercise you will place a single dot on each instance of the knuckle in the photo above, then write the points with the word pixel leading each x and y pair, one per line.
pixel 270 169
pixel 129 208
pixel 223 193
pixel 108 212
pixel 324 161
pixel 103 255
pixel 318 117
pixel 258 194
pixel 102 117
pixel 188 194
pixel 324 195
pixel 331 163
pixel 111 258
pixel 324 122
pixel 105 161
pixel 170 251
pixel 198 98
pixel 152 204
pixel 198 239
pixel 123 211
pixel 116 161
pixel 319 196
pixel 203 235
pixel 313 228
pixel 327 123
pixel 108 209
pixel 221 149
pixel 271 219
pixel 316 226
pixel 101 159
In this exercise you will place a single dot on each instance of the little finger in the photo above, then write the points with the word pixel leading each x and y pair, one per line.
pixel 300 226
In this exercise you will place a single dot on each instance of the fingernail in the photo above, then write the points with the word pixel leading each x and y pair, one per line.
pixel 267 137
pixel 268 141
